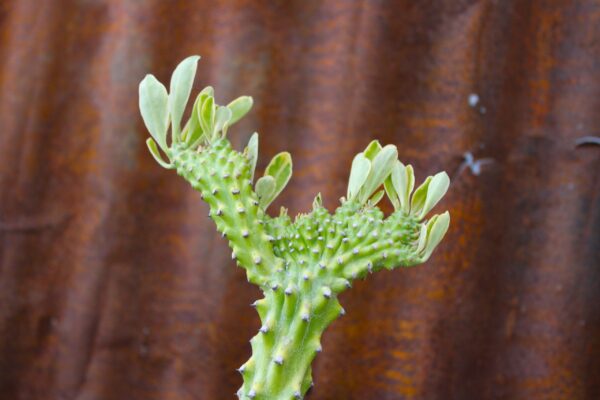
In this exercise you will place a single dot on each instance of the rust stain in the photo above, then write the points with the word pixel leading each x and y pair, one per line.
pixel 113 284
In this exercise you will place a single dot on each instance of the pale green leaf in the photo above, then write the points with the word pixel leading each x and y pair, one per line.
pixel 389 184
pixel 265 190
pixel 436 229
pixel 252 153
pixel 437 189
pixel 181 87
pixel 207 116
pixel 429 194
pixel 424 233
pixel 154 107
pixel 184 132
pixel 224 129
pixel 318 201
pixel 380 169
pixel 376 198
pixel 222 118
pixel 358 174
pixel 239 107
pixel 156 154
pixel 419 197
pixel 403 180
pixel 372 150
pixel 193 130
pixel 208 91
pixel 280 168
pixel 198 133
pixel 404 183
pixel 391 193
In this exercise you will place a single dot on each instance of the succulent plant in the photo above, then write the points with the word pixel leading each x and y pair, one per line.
pixel 301 265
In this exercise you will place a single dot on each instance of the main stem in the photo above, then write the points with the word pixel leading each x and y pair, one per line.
pixel 288 340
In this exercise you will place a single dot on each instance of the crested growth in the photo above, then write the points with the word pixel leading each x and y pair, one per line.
pixel 301 264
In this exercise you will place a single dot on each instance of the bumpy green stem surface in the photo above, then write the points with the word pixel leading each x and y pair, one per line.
pixel 282 351
pixel 301 266
pixel 222 176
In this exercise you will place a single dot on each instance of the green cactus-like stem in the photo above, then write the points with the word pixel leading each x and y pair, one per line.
pixel 223 178
pixel 301 266
pixel 292 324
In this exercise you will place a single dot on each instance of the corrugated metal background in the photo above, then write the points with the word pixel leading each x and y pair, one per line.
pixel 114 285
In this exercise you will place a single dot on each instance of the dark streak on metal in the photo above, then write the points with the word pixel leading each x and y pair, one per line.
pixel 582 141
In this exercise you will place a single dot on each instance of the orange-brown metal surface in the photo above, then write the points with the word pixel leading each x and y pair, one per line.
pixel 114 284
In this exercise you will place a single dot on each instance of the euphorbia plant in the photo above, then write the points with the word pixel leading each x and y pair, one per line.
pixel 301 265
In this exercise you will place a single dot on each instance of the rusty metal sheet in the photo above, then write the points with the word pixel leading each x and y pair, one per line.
pixel 114 285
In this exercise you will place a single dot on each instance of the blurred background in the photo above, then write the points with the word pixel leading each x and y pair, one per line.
pixel 114 284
